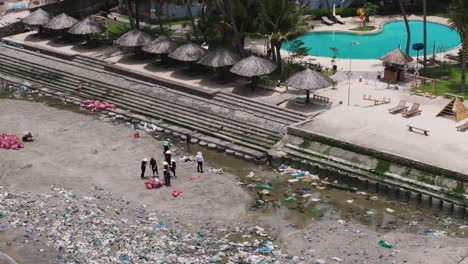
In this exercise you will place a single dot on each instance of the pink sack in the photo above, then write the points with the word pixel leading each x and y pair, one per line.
pixel 88 101
pixel 194 177
pixel 136 134
pixel 176 192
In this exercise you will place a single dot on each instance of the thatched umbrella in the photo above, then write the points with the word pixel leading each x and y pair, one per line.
pixel 396 56
pixel 161 45
pixel 62 21
pixel 219 58
pixel 37 18
pixel 188 52
pixel 86 27
pixel 134 38
pixel 253 66
pixel 308 80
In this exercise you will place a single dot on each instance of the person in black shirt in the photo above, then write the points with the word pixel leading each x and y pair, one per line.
pixel 167 178
pixel 167 156
pixel 154 167
pixel 143 167
pixel 173 167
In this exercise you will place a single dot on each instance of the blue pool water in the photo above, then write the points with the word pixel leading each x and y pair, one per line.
pixel 374 45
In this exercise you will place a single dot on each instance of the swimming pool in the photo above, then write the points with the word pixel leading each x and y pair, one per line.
pixel 374 45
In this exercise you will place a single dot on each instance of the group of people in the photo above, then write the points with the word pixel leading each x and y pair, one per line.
pixel 169 164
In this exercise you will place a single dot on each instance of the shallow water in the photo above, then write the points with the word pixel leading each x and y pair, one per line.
pixel 367 209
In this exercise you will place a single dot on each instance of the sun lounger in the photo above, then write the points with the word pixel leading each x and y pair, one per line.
pixel 339 19
pixel 414 110
pixel 463 127
pixel 400 107
pixel 327 21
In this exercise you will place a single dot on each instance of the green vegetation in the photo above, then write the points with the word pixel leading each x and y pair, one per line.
pixel 382 167
pixel 450 79
pixel 366 28
pixel 459 20
pixel 305 144
pixel 460 188
pixel 343 12
pixel 168 23
pixel 426 180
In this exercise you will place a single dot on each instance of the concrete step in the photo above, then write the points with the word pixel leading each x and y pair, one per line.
pixel 223 120
pixel 209 129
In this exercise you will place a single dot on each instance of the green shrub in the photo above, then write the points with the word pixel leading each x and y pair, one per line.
pixel 343 12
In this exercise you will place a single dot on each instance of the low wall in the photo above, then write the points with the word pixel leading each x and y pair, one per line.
pixel 293 130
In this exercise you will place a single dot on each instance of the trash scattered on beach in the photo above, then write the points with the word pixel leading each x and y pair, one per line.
pixel 217 171
pixel 384 244
pixel 390 210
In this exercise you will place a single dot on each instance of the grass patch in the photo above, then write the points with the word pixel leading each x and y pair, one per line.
pixel 305 144
pixel 460 188
pixel 426 180
pixel 366 28
pixel 382 167
pixel 450 80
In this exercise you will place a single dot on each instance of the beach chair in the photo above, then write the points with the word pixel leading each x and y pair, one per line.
pixel 327 21
pixel 339 19
pixel 414 110
pixel 400 107
pixel 463 127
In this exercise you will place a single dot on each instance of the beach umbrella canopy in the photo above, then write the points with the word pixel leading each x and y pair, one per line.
pixel 308 80
pixel 396 56
pixel 188 52
pixel 161 45
pixel 134 38
pixel 37 18
pixel 219 58
pixel 253 66
pixel 62 21
pixel 87 26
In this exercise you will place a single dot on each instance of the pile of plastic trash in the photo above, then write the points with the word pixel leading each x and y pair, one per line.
pixel 102 229
pixel 10 142
pixel 217 171
pixel 95 104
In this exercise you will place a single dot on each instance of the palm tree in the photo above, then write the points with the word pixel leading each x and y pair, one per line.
pixel 408 33
pixel 281 20
pixel 188 5
pixel 459 20
pixel 128 4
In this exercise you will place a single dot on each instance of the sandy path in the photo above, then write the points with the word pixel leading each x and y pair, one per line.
pixel 76 152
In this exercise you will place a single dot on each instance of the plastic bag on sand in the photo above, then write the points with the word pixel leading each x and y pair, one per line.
pixel 176 192
pixel 194 177
pixel 153 184
pixel 10 142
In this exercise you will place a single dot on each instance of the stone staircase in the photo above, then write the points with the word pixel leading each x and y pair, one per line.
pixel 231 120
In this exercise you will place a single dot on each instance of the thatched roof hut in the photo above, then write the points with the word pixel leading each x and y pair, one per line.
pixel 87 26
pixel 62 21
pixel 308 80
pixel 219 58
pixel 134 38
pixel 188 52
pixel 161 45
pixel 253 66
pixel 37 18
pixel 396 56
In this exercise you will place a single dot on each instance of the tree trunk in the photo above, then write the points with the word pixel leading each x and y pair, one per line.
pixel 137 15
pixel 463 72
pixel 425 33
pixel 194 28
pixel 273 51
pixel 234 28
pixel 278 56
pixel 408 38
pixel 159 14
pixel 328 8
pixel 130 13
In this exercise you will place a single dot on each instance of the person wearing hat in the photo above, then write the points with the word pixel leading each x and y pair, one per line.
pixel 165 165
pixel 166 145
pixel 167 178
pixel 143 167
pixel 27 137
pixel 173 167
pixel 199 159
pixel 154 167
pixel 167 156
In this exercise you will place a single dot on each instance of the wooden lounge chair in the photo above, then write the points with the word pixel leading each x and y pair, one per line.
pixel 400 107
pixel 414 110
pixel 339 19
pixel 463 127
pixel 327 21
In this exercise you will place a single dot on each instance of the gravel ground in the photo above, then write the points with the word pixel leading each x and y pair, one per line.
pixel 55 179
